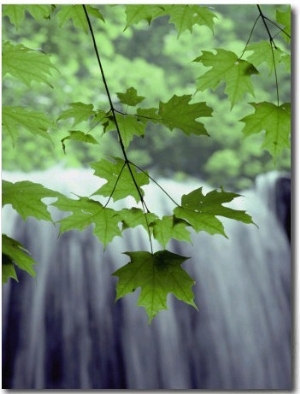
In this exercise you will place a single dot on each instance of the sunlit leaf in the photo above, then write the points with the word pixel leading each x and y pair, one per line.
pixel 26 64
pixel 169 228
pixel 16 119
pixel 185 17
pixel 226 67
pixel 25 197
pixel 275 121
pixel 16 13
pixel 262 52
pixel 76 14
pixel 285 18
pixel 137 13
pixel 80 112
pixel 158 275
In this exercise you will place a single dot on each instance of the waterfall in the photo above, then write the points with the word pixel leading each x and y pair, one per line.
pixel 63 329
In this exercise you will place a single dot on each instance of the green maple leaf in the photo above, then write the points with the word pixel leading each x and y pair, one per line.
pixel 14 253
pixel 25 197
pixel 14 119
pixel 184 17
pixel 275 121
pixel 26 64
pixel 16 13
pixel 170 227
pixel 284 18
pixel 137 13
pixel 135 217
pixel 226 67
pixel 130 97
pixel 76 14
pixel 119 179
pixel 177 112
pixel 201 210
pixel 158 275
pixel 86 212
pixel 80 112
pixel 262 52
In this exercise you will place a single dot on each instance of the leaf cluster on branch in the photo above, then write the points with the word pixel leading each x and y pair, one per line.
pixel 157 273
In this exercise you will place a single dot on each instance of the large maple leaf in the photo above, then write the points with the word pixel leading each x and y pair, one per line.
pixel 226 67
pixel 158 275
pixel 201 210
pixel 25 197
pixel 86 212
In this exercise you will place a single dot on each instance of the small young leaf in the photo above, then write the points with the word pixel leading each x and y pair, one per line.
pixel 77 135
pixel 25 197
pixel 130 97
pixel 275 120
pixel 158 275
pixel 201 210
pixel 26 64
pixel 14 253
pixel 79 111
pixel 177 112
pixel 86 212
pixel 14 119
pixel 185 17
pixel 227 67
pixel 119 179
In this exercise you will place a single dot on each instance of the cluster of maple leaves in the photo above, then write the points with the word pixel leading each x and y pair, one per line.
pixel 157 273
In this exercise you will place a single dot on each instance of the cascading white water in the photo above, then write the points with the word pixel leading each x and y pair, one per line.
pixel 63 329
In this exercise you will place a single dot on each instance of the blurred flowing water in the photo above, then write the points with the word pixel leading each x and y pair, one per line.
pixel 63 329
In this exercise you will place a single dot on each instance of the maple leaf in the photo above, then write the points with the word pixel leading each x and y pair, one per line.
pixel 170 227
pixel 227 67
pixel 146 115
pixel 158 275
pixel 130 97
pixel 185 17
pixel 275 121
pixel 177 112
pixel 85 212
pixel 79 111
pixel 25 197
pixel 14 119
pixel 119 180
pixel 76 14
pixel 201 210
pixel 16 13
pixel 14 253
pixel 262 52
pixel 137 13
pixel 26 64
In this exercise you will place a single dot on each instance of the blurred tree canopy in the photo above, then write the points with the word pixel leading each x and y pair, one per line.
pixel 152 58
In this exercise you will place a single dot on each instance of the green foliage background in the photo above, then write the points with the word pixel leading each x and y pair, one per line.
pixel 153 59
